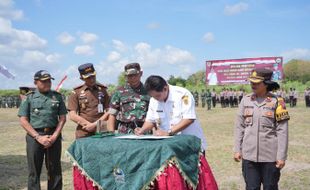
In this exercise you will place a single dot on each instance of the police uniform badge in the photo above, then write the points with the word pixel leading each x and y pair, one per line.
pixel 185 99
pixel 83 99
pixel 281 112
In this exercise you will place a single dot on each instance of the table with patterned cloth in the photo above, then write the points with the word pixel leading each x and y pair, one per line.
pixel 113 163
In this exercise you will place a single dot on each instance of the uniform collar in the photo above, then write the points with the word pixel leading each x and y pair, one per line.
pixel 268 99
pixel 170 93
pixel 138 89
pixel 38 94
pixel 85 87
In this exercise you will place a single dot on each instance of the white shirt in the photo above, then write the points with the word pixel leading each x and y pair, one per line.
pixel 179 105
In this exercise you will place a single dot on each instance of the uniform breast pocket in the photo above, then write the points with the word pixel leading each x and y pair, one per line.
pixel 83 102
pixel 54 104
pixel 37 107
pixel 248 116
pixel 267 119
pixel 144 103
pixel 128 105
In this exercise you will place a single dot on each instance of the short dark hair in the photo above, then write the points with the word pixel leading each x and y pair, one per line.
pixel 155 82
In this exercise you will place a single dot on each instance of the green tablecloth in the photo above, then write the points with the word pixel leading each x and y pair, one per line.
pixel 133 164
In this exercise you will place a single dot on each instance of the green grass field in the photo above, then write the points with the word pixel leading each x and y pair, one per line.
pixel 218 128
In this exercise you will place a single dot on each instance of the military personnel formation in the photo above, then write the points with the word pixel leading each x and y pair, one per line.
pixel 10 101
pixel 226 98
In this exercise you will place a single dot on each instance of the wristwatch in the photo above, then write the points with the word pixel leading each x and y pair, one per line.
pixel 170 132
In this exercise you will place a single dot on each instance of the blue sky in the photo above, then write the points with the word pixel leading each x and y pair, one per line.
pixel 172 37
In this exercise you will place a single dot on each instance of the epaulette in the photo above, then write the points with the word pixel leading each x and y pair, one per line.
pixel 54 91
pixel 120 88
pixel 77 87
pixel 281 111
pixel 28 93
pixel 101 85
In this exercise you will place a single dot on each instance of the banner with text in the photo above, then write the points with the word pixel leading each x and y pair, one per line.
pixel 236 71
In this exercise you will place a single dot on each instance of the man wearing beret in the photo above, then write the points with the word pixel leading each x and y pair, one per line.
pixel 43 115
pixel 129 103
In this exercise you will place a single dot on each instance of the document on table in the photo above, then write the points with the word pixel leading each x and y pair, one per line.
pixel 146 137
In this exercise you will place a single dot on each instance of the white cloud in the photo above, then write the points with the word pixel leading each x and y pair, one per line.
pixel 119 45
pixel 167 55
pixel 208 37
pixel 153 26
pixel 33 57
pixel 6 3
pixel 39 57
pixel 236 8
pixel 22 51
pixel 113 56
pixel 173 55
pixel 7 10
pixel 88 37
pixel 65 38
pixel 52 58
pixel 297 53
pixel 19 39
pixel 84 50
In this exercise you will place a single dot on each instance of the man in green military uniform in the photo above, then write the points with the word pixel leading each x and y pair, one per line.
pixel 196 97
pixel 43 115
pixel 203 98
pixel 129 103
pixel 208 98
pixel 10 101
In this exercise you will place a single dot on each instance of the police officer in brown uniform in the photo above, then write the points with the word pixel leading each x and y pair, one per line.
pixel 88 102
pixel 261 133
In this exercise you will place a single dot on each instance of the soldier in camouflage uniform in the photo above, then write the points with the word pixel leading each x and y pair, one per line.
pixel 129 103
pixel 10 101
pixel 208 98
pixel 196 97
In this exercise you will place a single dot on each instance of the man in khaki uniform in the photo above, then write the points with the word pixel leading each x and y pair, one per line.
pixel 261 133
pixel 88 102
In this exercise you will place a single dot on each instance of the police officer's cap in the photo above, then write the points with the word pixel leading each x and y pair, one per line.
pixel 263 75
pixel 132 69
pixel 259 75
pixel 87 70
pixel 42 75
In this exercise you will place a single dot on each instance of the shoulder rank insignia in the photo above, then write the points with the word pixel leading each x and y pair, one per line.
pixel 185 99
pixel 28 93
pixel 77 87
pixel 281 112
